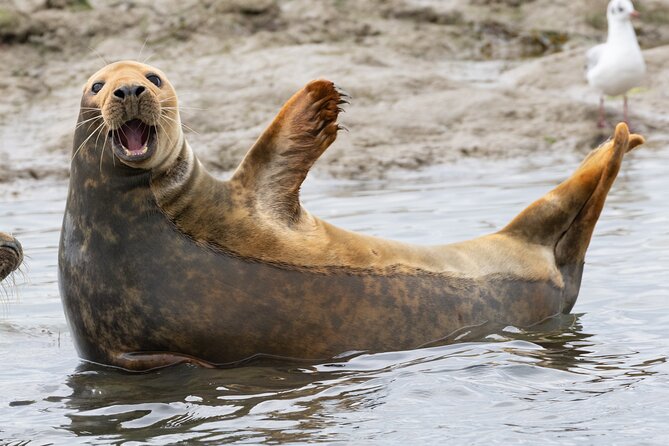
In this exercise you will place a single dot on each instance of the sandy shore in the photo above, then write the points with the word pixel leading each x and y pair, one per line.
pixel 431 80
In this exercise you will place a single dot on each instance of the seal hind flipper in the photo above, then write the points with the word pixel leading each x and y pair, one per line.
pixel 279 161
pixel 565 217
pixel 573 244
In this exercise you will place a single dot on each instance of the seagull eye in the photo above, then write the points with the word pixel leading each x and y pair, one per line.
pixel 97 87
pixel 155 80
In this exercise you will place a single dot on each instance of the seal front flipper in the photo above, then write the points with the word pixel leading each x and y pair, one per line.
pixel 279 161
pixel 565 217
pixel 147 361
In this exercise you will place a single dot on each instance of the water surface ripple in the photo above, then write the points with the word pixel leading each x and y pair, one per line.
pixel 598 376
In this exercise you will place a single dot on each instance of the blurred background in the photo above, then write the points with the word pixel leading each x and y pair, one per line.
pixel 431 80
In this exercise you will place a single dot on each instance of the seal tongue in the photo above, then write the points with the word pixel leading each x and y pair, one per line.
pixel 133 135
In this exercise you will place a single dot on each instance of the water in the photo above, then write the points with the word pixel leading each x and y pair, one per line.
pixel 599 376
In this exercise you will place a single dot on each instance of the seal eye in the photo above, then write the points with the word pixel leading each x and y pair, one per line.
pixel 97 87
pixel 155 80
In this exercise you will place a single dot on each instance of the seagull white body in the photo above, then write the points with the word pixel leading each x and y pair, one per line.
pixel 617 66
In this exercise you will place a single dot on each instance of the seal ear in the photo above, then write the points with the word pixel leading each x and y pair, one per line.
pixel 279 161
pixel 565 217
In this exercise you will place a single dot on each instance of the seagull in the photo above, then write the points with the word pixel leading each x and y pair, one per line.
pixel 617 66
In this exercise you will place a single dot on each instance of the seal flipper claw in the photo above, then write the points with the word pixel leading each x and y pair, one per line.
pixel 279 161
pixel 344 95
pixel 565 217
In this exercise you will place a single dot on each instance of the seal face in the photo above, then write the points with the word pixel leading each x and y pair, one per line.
pixel 132 109
pixel 215 272
pixel 11 255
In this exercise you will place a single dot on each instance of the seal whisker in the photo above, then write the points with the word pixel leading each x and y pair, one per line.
pixel 102 152
pixel 146 59
pixel 86 140
pixel 97 138
pixel 120 129
pixel 4 298
pixel 182 107
pixel 111 154
pixel 139 56
pixel 92 122
pixel 94 118
pixel 165 110
pixel 91 111
pixel 188 128
pixel 98 54
pixel 182 124
pixel 163 130
pixel 176 97
pixel 24 276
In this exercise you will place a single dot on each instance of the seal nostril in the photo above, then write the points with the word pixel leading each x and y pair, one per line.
pixel 129 90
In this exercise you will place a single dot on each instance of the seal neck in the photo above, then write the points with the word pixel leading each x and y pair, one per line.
pixel 174 177
pixel 174 151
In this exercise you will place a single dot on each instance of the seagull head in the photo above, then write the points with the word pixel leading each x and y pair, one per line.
pixel 621 10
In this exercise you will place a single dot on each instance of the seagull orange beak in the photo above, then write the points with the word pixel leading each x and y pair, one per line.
pixel 635 14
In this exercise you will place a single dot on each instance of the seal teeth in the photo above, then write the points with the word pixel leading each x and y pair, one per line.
pixel 136 152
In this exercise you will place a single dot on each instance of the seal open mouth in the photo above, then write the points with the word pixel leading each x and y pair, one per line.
pixel 134 140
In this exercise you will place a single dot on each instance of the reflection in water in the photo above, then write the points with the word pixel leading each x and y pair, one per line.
pixel 595 378
pixel 199 403
pixel 282 403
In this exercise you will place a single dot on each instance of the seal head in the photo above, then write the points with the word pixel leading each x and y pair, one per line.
pixel 134 108
pixel 11 254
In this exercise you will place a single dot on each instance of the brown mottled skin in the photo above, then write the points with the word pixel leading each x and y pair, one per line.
pixel 161 263
pixel 11 255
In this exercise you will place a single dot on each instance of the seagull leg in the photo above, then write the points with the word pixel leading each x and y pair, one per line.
pixel 625 110
pixel 601 123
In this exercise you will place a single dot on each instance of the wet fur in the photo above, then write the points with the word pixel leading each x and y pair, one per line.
pixel 11 255
pixel 214 272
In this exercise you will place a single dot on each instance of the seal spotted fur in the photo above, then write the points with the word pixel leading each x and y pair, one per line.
pixel 162 263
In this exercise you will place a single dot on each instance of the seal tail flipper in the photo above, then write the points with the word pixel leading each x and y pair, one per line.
pixel 279 161
pixel 565 217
